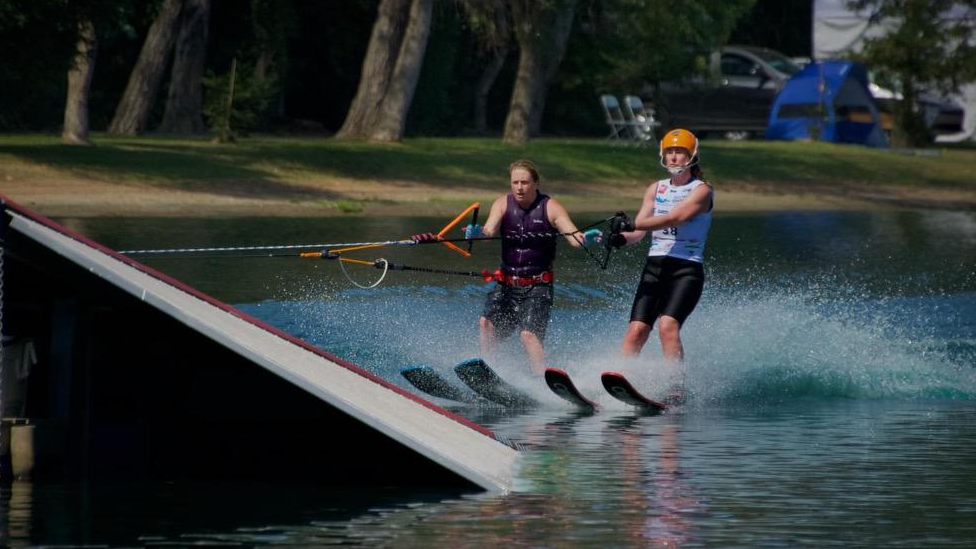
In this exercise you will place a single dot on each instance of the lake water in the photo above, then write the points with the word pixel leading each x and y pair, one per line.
pixel 831 372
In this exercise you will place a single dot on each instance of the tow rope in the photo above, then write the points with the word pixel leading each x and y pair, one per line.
pixel 334 251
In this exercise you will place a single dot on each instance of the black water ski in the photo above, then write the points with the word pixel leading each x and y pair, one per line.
pixel 484 381
pixel 429 381
pixel 561 384
pixel 618 386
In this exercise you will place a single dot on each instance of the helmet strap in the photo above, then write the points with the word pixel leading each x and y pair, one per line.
pixel 676 170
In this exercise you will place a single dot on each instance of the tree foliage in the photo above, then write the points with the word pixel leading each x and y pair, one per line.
pixel 631 46
pixel 490 24
pixel 782 25
pixel 929 44
pixel 38 39
pixel 256 40
pixel 298 63
pixel 237 101
pixel 647 41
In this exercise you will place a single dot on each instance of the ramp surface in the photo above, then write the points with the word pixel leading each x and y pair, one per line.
pixel 459 445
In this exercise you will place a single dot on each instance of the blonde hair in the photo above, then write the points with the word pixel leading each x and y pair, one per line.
pixel 528 166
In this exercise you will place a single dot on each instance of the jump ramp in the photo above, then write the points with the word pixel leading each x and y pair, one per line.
pixel 138 374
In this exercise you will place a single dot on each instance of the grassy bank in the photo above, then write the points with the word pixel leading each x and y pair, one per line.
pixel 357 174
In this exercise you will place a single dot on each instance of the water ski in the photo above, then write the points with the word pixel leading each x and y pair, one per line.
pixel 561 384
pixel 484 381
pixel 429 381
pixel 618 386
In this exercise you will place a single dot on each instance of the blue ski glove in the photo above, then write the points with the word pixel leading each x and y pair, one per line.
pixel 472 231
pixel 592 236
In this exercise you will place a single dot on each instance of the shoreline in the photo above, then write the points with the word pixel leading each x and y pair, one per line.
pixel 291 177
pixel 87 198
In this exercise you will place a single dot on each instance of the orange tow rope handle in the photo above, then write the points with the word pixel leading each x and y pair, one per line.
pixel 451 225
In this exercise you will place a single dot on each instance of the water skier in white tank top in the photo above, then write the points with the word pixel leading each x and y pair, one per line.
pixel 678 213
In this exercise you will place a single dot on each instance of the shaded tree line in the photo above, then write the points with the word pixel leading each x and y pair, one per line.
pixel 374 69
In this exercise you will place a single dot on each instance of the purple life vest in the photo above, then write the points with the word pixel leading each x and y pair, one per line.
pixel 529 247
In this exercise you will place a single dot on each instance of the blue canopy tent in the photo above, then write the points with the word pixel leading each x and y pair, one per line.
pixel 829 101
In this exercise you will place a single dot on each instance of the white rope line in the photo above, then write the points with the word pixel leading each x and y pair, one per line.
pixel 386 269
pixel 271 247
pixel 337 245
pixel 403 242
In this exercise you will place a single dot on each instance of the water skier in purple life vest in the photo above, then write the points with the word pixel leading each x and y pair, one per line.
pixel 530 223
pixel 678 213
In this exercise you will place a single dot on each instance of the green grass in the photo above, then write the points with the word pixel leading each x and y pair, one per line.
pixel 827 162
pixel 349 206
pixel 189 163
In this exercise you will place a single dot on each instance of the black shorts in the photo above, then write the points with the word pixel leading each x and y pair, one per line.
pixel 668 286
pixel 522 307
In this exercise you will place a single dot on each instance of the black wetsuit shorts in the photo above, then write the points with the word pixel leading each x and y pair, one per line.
pixel 668 286
pixel 522 307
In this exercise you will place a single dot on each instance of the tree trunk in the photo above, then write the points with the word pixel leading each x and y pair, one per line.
pixel 909 128
pixel 80 73
pixel 529 74
pixel 264 65
pixel 184 102
pixel 483 88
pixel 392 114
pixel 381 55
pixel 555 52
pixel 541 32
pixel 133 110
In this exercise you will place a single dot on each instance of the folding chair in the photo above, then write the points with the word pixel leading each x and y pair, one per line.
pixel 640 119
pixel 614 116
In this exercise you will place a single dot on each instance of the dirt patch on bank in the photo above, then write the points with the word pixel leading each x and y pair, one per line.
pixel 858 195
pixel 60 196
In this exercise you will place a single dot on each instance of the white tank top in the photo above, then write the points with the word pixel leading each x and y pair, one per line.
pixel 686 241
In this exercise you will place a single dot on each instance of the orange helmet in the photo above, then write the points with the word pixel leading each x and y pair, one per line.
pixel 684 139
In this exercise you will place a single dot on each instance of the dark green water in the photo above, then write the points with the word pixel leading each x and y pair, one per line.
pixel 831 368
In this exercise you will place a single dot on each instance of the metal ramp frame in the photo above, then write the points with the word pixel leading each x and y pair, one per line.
pixel 466 449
